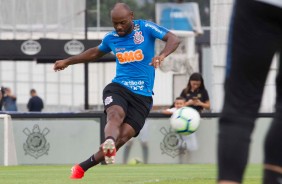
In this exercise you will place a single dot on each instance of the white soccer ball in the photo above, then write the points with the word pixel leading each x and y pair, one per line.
pixel 185 120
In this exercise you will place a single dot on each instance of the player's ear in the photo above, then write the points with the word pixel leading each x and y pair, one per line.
pixel 132 15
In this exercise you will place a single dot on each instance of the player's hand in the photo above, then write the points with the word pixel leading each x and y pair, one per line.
pixel 60 65
pixel 156 61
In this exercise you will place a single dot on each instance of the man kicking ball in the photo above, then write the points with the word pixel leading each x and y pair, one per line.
pixel 128 98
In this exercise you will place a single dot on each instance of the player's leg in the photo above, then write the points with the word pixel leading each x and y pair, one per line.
pixel 137 108
pixel 125 132
pixel 273 143
pixel 120 127
pixel 249 57
pixel 115 108
pixel 115 117
pixel 116 100
pixel 107 151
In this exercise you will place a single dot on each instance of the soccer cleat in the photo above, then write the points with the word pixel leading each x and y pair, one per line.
pixel 109 150
pixel 77 172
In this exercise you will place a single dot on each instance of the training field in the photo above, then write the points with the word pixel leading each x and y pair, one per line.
pixel 121 174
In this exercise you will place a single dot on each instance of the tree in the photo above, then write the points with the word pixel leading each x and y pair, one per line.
pixel 143 9
pixel 105 8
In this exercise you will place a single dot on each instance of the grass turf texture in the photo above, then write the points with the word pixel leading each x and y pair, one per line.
pixel 120 174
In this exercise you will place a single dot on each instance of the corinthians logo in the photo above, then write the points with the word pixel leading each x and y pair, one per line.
pixel 171 143
pixel 36 144
pixel 138 37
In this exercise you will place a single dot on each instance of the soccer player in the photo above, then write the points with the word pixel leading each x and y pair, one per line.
pixel 128 99
pixel 255 36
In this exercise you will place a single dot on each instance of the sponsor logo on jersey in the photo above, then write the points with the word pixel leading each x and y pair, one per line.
pixel 136 27
pixel 119 49
pixel 130 56
pixel 138 37
pixel 134 85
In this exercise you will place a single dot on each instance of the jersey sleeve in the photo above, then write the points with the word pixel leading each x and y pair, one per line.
pixel 156 30
pixel 104 45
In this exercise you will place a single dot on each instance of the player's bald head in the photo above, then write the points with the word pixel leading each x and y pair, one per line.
pixel 120 10
pixel 122 19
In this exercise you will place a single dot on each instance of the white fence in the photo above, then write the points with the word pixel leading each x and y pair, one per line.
pixel 70 140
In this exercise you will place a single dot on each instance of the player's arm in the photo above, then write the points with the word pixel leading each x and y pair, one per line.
pixel 172 42
pixel 87 56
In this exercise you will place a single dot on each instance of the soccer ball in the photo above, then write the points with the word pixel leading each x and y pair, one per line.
pixel 185 120
pixel 135 161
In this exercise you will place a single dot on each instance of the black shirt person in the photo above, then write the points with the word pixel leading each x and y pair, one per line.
pixel 196 94
pixel 35 103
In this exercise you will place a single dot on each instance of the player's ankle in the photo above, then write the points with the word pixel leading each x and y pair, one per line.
pixel 272 174
pixel 110 137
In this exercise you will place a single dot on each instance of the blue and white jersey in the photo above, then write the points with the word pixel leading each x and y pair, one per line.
pixel 133 54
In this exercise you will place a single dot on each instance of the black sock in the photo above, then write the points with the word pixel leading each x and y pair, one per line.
pixel 271 177
pixel 88 163
pixel 110 137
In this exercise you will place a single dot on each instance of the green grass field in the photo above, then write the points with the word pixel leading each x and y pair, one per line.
pixel 121 174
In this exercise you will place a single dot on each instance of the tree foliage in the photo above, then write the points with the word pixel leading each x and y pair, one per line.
pixel 143 9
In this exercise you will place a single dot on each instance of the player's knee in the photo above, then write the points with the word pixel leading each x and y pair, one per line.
pixel 115 113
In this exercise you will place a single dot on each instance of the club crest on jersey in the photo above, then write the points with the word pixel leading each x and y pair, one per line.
pixel 138 37
pixel 108 100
